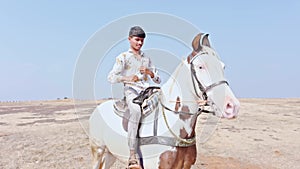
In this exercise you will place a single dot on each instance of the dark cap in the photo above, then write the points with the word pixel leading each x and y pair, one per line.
pixel 137 31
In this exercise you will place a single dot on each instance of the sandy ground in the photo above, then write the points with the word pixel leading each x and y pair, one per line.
pixel 52 134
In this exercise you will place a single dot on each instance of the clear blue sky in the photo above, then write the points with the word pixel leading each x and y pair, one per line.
pixel 40 42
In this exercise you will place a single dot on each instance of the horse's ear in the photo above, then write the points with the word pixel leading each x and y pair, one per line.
pixel 196 43
pixel 205 40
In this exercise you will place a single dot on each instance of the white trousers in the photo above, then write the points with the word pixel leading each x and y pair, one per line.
pixel 133 119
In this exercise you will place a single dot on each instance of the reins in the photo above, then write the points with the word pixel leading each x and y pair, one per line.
pixel 182 142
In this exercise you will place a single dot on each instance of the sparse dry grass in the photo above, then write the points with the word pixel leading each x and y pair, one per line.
pixel 52 134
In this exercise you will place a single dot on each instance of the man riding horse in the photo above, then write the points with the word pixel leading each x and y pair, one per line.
pixel 134 69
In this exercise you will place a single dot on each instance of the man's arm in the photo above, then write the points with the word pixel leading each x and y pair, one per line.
pixel 115 75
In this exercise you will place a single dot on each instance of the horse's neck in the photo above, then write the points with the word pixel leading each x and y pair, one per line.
pixel 179 86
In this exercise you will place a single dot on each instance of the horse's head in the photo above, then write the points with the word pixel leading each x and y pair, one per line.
pixel 208 79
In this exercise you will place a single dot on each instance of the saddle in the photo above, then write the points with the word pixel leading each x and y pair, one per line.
pixel 147 99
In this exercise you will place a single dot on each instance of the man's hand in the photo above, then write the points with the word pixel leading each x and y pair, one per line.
pixel 147 71
pixel 143 69
pixel 132 78
pixel 135 78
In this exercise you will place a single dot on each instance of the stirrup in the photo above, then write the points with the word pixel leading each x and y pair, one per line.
pixel 133 164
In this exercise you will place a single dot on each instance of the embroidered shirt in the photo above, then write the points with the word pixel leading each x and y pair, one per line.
pixel 128 64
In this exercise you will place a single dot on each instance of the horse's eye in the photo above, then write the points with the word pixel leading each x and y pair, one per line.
pixel 200 67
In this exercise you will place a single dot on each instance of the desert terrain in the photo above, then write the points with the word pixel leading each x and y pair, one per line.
pixel 53 134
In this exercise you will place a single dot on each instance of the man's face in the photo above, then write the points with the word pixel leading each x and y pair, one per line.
pixel 136 43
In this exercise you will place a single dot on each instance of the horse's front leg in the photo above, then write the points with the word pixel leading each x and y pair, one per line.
pixel 167 159
pixel 190 157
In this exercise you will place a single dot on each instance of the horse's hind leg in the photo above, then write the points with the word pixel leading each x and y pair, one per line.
pixel 102 158
pixel 97 153
pixel 109 160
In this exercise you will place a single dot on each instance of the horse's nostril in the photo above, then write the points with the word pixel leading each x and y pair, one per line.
pixel 229 108
pixel 229 105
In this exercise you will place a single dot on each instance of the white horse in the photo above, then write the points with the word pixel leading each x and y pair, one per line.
pixel 167 135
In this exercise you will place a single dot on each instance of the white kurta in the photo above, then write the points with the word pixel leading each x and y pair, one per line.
pixel 127 65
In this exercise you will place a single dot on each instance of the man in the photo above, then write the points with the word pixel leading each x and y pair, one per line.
pixel 134 69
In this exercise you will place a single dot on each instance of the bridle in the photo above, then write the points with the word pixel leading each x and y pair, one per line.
pixel 203 89
pixel 185 142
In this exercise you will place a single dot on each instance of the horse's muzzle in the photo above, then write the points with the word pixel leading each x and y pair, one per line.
pixel 231 108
